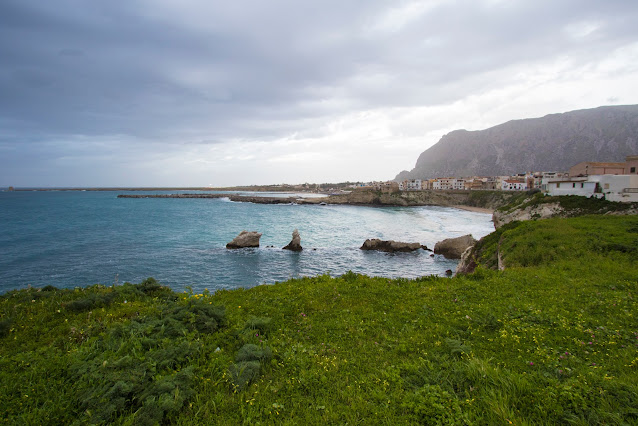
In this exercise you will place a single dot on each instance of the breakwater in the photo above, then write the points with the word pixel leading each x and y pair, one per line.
pixel 232 197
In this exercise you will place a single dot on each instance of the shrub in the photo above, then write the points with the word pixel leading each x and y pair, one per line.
pixel 49 288
pixel 250 352
pixel 243 373
pixel 149 285
pixel 164 397
pixel 198 315
pixel 91 302
pixel 5 327
pixel 349 277
pixel 263 325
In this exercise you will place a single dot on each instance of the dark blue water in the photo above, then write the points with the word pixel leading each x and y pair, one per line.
pixel 69 239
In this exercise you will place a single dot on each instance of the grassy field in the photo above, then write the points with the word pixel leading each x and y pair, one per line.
pixel 553 339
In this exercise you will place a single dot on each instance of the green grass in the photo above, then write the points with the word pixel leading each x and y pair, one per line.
pixel 553 339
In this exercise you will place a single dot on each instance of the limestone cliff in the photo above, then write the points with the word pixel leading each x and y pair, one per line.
pixel 539 211
pixel 552 143
pixel 539 206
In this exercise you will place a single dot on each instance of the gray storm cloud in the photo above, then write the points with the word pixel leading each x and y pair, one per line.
pixel 163 73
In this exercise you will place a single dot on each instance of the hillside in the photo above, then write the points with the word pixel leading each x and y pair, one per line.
pixel 551 143
pixel 525 206
pixel 549 340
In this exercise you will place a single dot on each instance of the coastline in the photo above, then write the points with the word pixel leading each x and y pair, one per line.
pixel 475 201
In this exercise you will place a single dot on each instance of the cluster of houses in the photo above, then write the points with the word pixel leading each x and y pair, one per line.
pixel 613 181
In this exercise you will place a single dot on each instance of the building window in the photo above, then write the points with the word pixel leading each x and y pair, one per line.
pixel 558 185
pixel 573 185
pixel 582 185
pixel 606 186
pixel 632 170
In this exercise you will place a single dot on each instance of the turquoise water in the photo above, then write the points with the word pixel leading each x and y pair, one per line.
pixel 69 239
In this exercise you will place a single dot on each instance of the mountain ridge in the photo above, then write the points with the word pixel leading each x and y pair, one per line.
pixel 554 142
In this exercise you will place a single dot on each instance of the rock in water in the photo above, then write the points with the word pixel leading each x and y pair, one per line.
pixel 389 246
pixel 295 243
pixel 245 239
pixel 453 248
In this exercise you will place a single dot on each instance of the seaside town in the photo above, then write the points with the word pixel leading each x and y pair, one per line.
pixel 613 181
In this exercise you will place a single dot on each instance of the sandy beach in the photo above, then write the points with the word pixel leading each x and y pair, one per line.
pixel 474 209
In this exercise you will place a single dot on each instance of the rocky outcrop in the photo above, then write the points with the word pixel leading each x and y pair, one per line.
pixel 390 246
pixel 295 243
pixel 453 248
pixel 467 264
pixel 487 256
pixel 538 211
pixel 245 239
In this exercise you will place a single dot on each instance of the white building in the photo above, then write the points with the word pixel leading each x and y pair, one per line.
pixel 443 183
pixel 413 185
pixel 576 186
pixel 547 177
pixel 513 185
pixel 458 184
pixel 622 188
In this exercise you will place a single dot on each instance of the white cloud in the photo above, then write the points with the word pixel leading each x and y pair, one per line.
pixel 396 18
pixel 582 29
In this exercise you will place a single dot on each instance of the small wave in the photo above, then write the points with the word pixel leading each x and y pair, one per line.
pixel 225 200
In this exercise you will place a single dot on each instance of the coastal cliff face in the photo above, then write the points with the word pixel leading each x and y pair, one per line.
pixel 491 253
pixel 483 199
pixel 540 211
pixel 539 206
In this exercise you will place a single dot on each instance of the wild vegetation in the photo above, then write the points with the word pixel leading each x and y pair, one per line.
pixel 572 205
pixel 553 339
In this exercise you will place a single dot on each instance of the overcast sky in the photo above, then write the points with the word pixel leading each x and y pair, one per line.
pixel 201 92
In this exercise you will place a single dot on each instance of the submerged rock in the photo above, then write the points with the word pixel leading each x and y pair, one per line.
pixel 453 248
pixel 389 246
pixel 295 243
pixel 245 239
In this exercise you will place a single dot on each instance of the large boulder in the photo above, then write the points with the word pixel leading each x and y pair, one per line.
pixel 245 239
pixel 389 246
pixel 453 248
pixel 295 243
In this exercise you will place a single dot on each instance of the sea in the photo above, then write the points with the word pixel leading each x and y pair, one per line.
pixel 73 239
